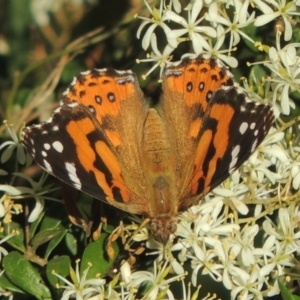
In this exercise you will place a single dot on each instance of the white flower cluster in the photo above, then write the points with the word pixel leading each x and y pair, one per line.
pixel 226 21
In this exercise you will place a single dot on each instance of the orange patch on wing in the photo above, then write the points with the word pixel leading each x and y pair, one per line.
pixel 114 168
pixel 195 128
pixel 223 114
pixel 114 137
pixel 194 74
pixel 104 93
pixel 201 153
pixel 79 130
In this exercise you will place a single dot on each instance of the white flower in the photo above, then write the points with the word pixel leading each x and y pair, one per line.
pixel 283 9
pixel 274 257
pixel 205 259
pixel 81 288
pixel 258 166
pixel 191 26
pixel 248 283
pixel 161 59
pixel 285 229
pixel 241 244
pixel 215 50
pixel 285 78
pixel 234 194
pixel 176 5
pixel 240 20
pixel 156 280
pixel 164 252
pixel 158 19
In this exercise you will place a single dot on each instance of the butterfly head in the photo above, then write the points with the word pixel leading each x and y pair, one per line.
pixel 162 228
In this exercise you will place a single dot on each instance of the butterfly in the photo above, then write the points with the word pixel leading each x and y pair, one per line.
pixel 106 141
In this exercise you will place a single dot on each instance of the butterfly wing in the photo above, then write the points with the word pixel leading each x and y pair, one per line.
pixel 93 135
pixel 215 126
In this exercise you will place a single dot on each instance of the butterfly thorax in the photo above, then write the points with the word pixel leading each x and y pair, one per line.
pixel 160 168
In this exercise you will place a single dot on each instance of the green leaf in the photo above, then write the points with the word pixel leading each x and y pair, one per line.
pixel 3 172
pixel 22 274
pixel 285 292
pixel 61 265
pixel 7 153
pixel 6 284
pixel 96 258
pixel 34 225
pixel 72 243
pixel 53 217
pixel 45 236
pixel 16 241
pixel 54 242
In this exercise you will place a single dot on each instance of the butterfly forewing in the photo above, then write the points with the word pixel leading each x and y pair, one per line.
pixel 219 126
pixel 187 91
pixel 86 147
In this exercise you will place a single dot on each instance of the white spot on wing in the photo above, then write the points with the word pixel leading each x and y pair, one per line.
pixel 122 72
pixel 84 73
pixel 58 146
pixel 47 166
pixel 101 70
pixel 44 153
pixel 73 104
pixel 49 120
pixel 57 110
pixel 47 146
pixel 232 164
pixel 254 145
pixel 173 73
pixel 126 79
pixel 74 81
pixel 72 175
pixel 234 154
pixel 66 92
pixel 243 127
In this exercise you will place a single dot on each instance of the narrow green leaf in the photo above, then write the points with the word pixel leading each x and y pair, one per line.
pixel 54 242
pixel 285 292
pixel 45 236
